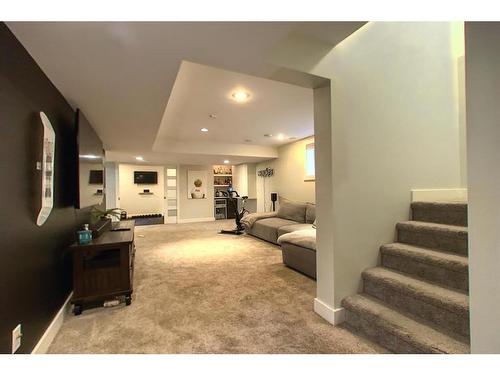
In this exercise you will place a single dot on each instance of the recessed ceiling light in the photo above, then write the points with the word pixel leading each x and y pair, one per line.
pixel 139 158
pixel 212 116
pixel 240 96
pixel 226 161
pixel 268 135
pixel 204 130
pixel 281 137
pixel 248 140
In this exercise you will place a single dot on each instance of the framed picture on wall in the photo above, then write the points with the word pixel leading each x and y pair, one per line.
pixel 197 184
pixel 47 168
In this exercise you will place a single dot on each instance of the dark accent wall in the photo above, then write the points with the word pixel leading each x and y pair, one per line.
pixel 35 270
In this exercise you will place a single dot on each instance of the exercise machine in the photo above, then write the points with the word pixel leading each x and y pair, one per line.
pixel 233 196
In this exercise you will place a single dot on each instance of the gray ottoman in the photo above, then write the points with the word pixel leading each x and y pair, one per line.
pixel 299 251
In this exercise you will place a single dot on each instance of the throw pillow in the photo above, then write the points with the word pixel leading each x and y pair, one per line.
pixel 290 210
pixel 310 213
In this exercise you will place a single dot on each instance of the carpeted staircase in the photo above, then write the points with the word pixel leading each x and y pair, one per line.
pixel 417 300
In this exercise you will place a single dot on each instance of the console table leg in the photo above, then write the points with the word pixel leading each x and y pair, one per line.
pixel 77 310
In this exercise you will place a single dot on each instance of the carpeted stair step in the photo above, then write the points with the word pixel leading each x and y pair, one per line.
pixel 447 269
pixel 434 236
pixel 447 308
pixel 396 331
pixel 451 213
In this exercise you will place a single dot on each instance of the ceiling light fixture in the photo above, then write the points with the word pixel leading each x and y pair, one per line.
pixel 226 161
pixel 268 135
pixel 240 96
pixel 212 116
pixel 139 158
pixel 204 130
pixel 281 137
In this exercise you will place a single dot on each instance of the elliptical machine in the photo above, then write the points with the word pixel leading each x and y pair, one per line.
pixel 233 197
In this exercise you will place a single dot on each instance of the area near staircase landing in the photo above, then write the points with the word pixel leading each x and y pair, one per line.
pixel 417 300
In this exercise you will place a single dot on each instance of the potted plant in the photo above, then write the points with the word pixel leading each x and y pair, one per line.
pixel 100 219
pixel 97 214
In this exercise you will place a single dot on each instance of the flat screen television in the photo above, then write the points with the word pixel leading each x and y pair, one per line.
pixel 90 166
pixel 145 177
pixel 96 177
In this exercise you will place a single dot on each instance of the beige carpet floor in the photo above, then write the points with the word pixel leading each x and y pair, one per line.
pixel 196 291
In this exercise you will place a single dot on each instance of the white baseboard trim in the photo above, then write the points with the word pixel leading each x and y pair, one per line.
pixel 439 195
pixel 42 347
pixel 330 314
pixel 195 220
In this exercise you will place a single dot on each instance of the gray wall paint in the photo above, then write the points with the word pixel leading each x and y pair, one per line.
pixel 394 128
pixel 324 195
pixel 462 120
pixel 129 192
pixel 483 140
pixel 288 180
pixel 111 181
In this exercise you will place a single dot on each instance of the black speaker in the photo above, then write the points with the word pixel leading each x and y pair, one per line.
pixel 274 198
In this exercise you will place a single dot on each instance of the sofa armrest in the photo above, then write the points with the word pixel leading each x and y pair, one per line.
pixel 249 220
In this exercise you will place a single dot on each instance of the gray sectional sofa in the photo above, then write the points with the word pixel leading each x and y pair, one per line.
pixel 292 227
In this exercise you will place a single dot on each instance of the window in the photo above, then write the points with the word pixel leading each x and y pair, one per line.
pixel 310 169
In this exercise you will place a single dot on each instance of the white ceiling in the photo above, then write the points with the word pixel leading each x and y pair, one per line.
pixel 172 158
pixel 121 74
pixel 275 108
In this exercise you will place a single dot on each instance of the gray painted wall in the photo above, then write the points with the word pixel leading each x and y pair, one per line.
pixel 288 179
pixel 324 194
pixel 483 143
pixel 394 128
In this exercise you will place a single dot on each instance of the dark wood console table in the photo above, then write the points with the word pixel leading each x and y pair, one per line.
pixel 104 268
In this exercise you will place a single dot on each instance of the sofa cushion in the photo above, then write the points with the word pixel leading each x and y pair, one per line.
pixel 310 213
pixel 267 229
pixel 290 210
pixel 304 237
pixel 293 228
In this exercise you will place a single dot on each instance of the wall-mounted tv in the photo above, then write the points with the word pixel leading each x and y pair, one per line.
pixel 96 177
pixel 145 177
